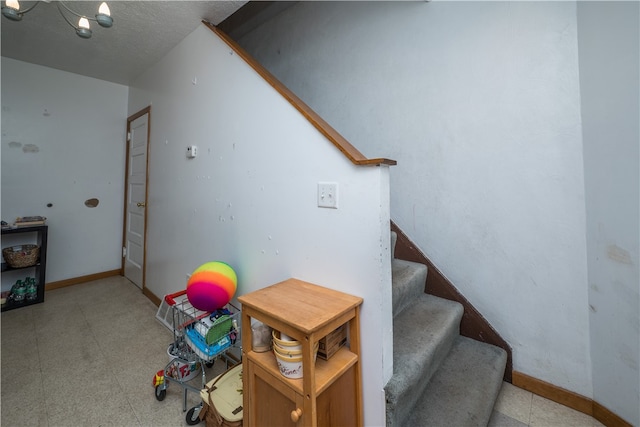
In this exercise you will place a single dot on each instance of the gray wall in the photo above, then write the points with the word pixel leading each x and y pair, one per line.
pixel 250 196
pixel 480 104
pixel 609 72
pixel 63 142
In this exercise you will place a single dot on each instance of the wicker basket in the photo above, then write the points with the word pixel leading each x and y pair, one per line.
pixel 21 256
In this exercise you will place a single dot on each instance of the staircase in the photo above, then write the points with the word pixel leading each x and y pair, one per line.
pixel 440 378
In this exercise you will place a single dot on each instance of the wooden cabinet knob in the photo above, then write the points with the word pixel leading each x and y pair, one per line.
pixel 296 414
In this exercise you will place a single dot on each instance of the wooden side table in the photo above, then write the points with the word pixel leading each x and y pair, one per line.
pixel 330 391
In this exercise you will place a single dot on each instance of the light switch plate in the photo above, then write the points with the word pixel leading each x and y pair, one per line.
pixel 328 195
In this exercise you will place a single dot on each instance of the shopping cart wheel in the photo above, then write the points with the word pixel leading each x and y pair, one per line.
pixel 193 415
pixel 161 393
pixel 209 364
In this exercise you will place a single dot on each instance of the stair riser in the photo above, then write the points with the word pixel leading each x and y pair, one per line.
pixel 408 283
pixel 408 398
pixel 440 378
pixel 435 324
pixel 465 387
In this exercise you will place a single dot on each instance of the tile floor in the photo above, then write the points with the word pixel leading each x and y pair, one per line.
pixel 516 407
pixel 87 356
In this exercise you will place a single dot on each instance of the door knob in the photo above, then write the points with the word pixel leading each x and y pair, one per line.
pixel 296 414
pixel 141 204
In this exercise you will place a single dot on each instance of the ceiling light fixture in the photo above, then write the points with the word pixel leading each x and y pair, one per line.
pixel 11 10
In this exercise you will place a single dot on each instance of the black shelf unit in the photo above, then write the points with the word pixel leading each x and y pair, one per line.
pixel 40 267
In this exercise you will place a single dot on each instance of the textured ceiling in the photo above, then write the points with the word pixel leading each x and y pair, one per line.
pixel 142 33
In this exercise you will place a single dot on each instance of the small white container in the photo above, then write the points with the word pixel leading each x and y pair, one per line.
pixel 290 361
pixel 290 367
pixel 260 336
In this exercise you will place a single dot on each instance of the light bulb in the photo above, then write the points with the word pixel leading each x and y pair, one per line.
pixel 103 17
pixel 13 4
pixel 84 23
pixel 104 9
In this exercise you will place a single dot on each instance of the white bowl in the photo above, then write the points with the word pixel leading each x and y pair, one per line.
pixel 292 352
pixel 285 337
pixel 287 352
pixel 292 345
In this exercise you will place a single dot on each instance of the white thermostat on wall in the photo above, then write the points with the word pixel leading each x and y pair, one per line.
pixel 192 151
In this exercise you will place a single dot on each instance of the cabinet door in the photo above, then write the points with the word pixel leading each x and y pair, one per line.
pixel 337 405
pixel 272 401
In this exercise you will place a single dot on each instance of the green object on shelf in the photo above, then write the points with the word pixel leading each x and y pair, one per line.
pixel 31 289
pixel 18 291
pixel 220 328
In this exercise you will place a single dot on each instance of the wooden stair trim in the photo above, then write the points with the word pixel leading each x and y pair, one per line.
pixel 352 153
pixel 152 297
pixel 473 324
pixel 608 417
pixel 568 398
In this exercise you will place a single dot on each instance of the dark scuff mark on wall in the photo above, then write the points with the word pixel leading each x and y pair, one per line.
pixel 91 203
pixel 30 148
pixel 14 144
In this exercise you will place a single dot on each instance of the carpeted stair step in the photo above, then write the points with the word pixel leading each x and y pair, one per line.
pixel 394 240
pixel 423 334
pixel 464 389
pixel 408 279
pixel 408 282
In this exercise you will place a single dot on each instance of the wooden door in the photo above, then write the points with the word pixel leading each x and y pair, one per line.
pixel 134 245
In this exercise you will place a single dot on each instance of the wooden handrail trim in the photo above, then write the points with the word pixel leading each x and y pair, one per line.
pixel 352 153
pixel 378 161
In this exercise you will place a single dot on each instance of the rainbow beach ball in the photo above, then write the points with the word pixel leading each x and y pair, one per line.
pixel 211 286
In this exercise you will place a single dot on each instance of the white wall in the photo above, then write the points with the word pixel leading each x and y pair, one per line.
pixel 77 125
pixel 479 103
pixel 250 197
pixel 609 71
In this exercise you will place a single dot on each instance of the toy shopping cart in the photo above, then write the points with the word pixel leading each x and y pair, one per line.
pixel 199 337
